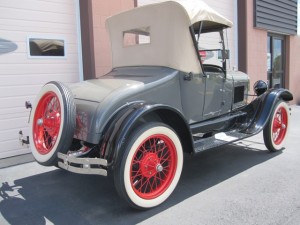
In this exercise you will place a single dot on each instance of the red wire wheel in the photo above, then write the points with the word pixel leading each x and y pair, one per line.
pixel 153 166
pixel 276 129
pixel 280 123
pixel 52 123
pixel 149 168
pixel 46 123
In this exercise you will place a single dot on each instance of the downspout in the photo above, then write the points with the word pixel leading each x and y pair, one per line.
pixel 79 45
pixel 236 36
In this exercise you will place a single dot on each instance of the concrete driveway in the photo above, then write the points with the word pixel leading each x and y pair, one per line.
pixel 238 184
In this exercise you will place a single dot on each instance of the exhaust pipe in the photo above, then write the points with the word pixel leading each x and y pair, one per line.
pixel 84 150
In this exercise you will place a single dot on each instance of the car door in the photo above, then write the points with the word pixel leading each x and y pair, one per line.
pixel 214 90
pixel 192 96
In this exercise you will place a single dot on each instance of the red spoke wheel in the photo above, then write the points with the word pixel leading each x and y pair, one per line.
pixel 277 128
pixel 150 167
pixel 52 123
pixel 46 123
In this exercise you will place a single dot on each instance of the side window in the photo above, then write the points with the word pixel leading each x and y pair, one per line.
pixel 138 36
pixel 44 47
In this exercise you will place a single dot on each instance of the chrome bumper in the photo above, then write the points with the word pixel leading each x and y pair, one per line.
pixel 82 165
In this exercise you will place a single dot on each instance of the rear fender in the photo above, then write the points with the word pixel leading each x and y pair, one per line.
pixel 119 128
pixel 259 110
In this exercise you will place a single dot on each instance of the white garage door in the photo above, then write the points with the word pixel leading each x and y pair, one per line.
pixel 39 42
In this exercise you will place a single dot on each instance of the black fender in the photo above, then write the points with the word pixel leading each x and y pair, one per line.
pixel 259 110
pixel 118 129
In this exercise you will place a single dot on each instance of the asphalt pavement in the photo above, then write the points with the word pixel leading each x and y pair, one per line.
pixel 241 183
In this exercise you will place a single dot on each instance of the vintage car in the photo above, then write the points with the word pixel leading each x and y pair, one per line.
pixel 170 92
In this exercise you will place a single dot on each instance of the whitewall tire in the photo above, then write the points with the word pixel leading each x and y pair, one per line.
pixel 150 167
pixel 52 123
pixel 277 127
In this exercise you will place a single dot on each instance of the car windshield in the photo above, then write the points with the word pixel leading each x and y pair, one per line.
pixel 210 47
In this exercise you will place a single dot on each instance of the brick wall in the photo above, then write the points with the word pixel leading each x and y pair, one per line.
pixel 293 65
pixel 255 64
pixel 101 10
pixel 256 49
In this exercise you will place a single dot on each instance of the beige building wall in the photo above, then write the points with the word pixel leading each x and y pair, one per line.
pixel 101 10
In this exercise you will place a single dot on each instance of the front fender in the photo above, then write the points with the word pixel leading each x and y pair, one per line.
pixel 259 111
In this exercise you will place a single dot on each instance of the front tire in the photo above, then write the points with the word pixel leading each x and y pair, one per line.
pixel 52 123
pixel 277 127
pixel 150 167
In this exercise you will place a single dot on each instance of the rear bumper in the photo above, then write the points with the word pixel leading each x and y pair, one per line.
pixel 93 166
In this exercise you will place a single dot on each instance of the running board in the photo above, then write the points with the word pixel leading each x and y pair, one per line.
pixel 217 140
pixel 216 123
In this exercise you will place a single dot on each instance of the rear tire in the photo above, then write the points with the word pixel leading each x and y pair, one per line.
pixel 52 123
pixel 149 168
pixel 277 127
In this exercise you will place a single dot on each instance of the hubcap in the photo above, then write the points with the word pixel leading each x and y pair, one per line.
pixel 153 166
pixel 39 122
pixel 159 168
pixel 148 164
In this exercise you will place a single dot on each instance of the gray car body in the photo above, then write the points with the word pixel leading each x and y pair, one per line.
pixel 199 98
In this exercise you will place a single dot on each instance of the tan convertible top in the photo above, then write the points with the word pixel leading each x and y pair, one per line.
pixel 198 10
pixel 167 26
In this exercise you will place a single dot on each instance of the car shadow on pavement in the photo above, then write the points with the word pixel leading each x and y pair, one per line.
pixel 65 198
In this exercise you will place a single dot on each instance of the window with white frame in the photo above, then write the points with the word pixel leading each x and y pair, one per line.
pixel 46 47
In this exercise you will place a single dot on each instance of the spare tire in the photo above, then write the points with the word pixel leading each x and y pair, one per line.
pixel 52 123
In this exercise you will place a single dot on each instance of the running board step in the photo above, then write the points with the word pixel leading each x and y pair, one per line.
pixel 216 123
pixel 217 140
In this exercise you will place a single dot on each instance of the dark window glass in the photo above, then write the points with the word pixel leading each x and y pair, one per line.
pixel 46 47
pixel 275 60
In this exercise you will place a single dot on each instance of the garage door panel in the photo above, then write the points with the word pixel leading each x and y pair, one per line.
pixel 35 79
pixel 14 91
pixel 13 134
pixel 24 113
pixel 15 25
pixel 34 29
pixel 30 15
pixel 40 6
pixel 14 152
pixel 23 58
pixel 43 69
pixel 15 102
pixel 15 123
